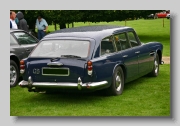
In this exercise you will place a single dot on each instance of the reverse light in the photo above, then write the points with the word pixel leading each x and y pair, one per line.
pixel 22 66
pixel 89 68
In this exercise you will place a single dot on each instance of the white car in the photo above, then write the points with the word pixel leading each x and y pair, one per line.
pixel 168 16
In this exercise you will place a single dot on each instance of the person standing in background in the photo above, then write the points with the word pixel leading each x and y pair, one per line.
pixel 22 23
pixel 13 24
pixel 41 26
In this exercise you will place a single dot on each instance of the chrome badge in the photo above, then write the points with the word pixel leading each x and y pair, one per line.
pixel 36 71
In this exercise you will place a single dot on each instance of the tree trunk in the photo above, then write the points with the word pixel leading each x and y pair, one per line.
pixel 32 28
pixel 62 25
pixel 55 26
pixel 72 24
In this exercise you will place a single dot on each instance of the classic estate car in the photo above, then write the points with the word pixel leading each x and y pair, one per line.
pixel 21 44
pixel 89 58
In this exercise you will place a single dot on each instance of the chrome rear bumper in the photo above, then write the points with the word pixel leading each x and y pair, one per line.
pixel 65 85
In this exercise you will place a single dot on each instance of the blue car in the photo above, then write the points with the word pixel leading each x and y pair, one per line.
pixel 89 58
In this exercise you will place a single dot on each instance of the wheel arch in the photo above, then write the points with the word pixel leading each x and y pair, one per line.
pixel 160 55
pixel 15 59
pixel 123 68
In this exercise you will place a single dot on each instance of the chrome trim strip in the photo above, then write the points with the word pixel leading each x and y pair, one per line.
pixel 54 64
pixel 55 74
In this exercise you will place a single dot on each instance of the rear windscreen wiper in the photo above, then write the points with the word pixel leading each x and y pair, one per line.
pixel 55 59
pixel 71 56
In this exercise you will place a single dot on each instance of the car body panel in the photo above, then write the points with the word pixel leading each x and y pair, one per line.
pixel 20 51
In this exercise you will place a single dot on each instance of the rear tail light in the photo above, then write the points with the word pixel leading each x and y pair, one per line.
pixel 22 66
pixel 89 68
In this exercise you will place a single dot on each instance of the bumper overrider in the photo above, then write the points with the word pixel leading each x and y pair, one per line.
pixel 65 85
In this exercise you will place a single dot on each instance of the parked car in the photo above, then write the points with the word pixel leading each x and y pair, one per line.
pixel 89 58
pixel 168 16
pixel 21 44
pixel 150 16
pixel 162 14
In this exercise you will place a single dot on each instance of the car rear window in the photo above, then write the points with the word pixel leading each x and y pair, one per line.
pixel 57 48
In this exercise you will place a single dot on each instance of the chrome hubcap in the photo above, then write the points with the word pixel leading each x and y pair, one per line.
pixel 13 75
pixel 156 66
pixel 118 83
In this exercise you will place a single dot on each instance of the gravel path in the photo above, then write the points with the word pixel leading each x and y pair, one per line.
pixel 166 60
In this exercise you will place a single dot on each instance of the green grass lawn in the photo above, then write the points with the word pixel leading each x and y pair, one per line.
pixel 146 96
pixel 147 30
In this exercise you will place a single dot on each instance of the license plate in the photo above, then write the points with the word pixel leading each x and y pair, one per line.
pixel 55 71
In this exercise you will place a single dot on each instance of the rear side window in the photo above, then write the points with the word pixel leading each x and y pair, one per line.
pixel 107 45
pixel 24 38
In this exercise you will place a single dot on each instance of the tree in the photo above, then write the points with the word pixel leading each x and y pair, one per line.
pixel 63 17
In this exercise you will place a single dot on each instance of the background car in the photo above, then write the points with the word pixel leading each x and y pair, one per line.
pixel 90 58
pixel 162 14
pixel 168 16
pixel 151 16
pixel 21 44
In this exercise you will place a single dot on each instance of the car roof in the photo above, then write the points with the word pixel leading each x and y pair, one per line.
pixel 97 32
pixel 12 30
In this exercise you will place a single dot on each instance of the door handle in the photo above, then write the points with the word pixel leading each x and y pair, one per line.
pixel 125 56
pixel 137 52
pixel 28 50
pixel 152 53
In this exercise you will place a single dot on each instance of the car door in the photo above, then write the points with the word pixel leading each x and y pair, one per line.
pixel 25 41
pixel 141 51
pixel 16 49
pixel 128 54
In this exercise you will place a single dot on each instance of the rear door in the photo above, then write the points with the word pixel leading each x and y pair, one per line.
pixel 59 60
pixel 16 49
pixel 56 70
pixel 129 56
pixel 25 41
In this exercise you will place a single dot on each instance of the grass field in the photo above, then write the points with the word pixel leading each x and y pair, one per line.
pixel 147 30
pixel 147 96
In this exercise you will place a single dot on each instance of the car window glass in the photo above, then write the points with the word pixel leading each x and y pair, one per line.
pixel 121 41
pixel 107 45
pixel 58 48
pixel 12 40
pixel 132 39
pixel 24 38
pixel 117 42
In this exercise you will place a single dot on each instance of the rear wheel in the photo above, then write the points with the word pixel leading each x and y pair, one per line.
pixel 117 85
pixel 155 70
pixel 14 74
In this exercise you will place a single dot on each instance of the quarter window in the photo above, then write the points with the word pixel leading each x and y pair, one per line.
pixel 107 45
pixel 24 38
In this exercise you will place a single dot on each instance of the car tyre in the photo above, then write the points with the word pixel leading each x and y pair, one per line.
pixel 14 74
pixel 117 85
pixel 155 70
